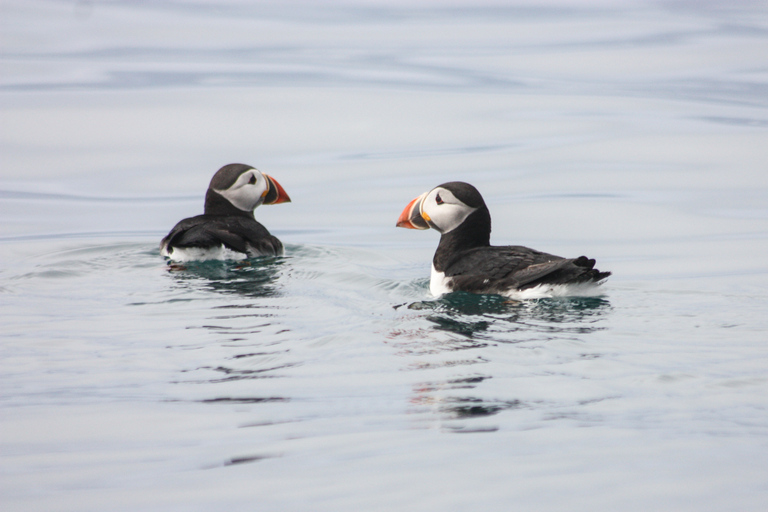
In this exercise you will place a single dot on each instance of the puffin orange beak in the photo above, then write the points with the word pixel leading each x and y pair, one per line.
pixel 411 217
pixel 275 193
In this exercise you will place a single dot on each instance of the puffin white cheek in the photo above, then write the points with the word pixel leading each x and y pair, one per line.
pixel 245 198
pixel 447 217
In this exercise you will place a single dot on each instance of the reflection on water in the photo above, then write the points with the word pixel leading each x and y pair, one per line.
pixel 480 326
pixel 470 314
pixel 247 459
pixel 475 407
pixel 473 321
pixel 255 278
pixel 230 374
pixel 246 400
pixel 427 397
pixel 243 322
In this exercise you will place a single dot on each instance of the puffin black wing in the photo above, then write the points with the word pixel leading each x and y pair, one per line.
pixel 495 269
pixel 239 234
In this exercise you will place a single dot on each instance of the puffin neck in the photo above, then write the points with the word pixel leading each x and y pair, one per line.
pixel 474 232
pixel 216 204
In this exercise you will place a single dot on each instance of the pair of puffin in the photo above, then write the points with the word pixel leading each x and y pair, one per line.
pixel 464 261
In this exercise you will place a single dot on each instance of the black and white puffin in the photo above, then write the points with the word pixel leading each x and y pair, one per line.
pixel 227 228
pixel 466 261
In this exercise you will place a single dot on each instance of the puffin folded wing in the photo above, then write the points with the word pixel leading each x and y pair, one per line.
pixel 533 275
pixel 205 235
pixel 571 271
pixel 514 278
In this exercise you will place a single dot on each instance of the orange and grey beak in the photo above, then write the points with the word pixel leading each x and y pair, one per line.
pixel 275 193
pixel 411 217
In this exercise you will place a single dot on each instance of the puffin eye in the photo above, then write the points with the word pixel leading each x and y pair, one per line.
pixel 252 181
pixel 438 199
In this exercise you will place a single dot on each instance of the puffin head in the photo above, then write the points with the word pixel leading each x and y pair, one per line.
pixel 443 208
pixel 246 188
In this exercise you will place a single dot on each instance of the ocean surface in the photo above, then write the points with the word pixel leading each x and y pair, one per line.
pixel 329 379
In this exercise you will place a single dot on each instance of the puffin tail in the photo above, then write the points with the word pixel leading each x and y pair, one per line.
pixel 589 272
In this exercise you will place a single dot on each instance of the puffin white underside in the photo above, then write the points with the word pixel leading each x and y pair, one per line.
pixel 544 291
pixel 439 285
pixel 200 254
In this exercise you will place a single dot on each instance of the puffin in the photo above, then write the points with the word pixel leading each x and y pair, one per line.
pixel 466 261
pixel 227 230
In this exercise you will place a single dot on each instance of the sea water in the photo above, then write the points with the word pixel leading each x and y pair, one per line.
pixel 329 379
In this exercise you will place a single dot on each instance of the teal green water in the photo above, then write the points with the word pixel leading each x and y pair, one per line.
pixel 329 379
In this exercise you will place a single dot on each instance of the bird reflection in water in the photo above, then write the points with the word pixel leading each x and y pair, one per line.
pixel 255 277
pixel 473 324
pixel 447 401
pixel 469 314
pixel 238 319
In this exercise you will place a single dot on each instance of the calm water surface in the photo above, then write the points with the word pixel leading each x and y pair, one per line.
pixel 329 379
